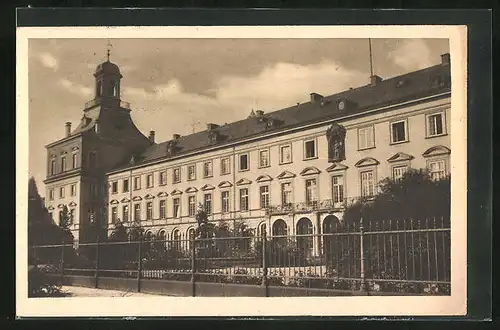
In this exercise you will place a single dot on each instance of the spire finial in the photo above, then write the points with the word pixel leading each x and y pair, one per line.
pixel 109 49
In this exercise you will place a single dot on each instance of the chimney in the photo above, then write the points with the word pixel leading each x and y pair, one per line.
pixel 68 128
pixel 211 126
pixel 315 97
pixel 445 59
pixel 176 137
pixel 375 80
pixel 152 136
pixel 259 113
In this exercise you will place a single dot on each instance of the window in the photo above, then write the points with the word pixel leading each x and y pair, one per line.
pixel 137 212
pixel 286 194
pixel 338 188
pixel 125 185
pixel 310 149
pixel 74 160
pixel 311 192
pixel 192 172
pixel 437 169
pixel 149 180
pixel 63 163
pixel 73 190
pixel 176 207
pixel 52 167
pixel 435 125
pixel 163 178
pixel 163 209
pixel 243 162
pixel 125 213
pixel 207 169
pixel 225 201
pixel 264 160
pixel 93 190
pixel 207 203
pixel 398 132
pixel 149 210
pixel 225 166
pixel 114 215
pixel 398 172
pixel 285 154
pixel 264 197
pixel 61 192
pixel 366 138
pixel 367 184
pixel 51 194
pixel 176 175
pixel 192 206
pixel 114 187
pixel 137 183
pixel 244 199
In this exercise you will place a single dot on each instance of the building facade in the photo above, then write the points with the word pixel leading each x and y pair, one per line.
pixel 292 171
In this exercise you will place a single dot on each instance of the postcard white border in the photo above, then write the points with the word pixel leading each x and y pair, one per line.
pixel 273 306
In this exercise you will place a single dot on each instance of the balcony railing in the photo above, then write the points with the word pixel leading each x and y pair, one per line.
pixel 97 101
pixel 324 205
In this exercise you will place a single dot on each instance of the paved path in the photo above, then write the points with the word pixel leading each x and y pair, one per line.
pixel 76 291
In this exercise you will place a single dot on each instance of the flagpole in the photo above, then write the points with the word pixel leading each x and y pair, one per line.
pixel 371 61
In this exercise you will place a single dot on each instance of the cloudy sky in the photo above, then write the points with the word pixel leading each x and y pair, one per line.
pixel 173 84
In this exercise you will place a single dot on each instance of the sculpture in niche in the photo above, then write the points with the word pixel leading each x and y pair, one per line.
pixel 335 136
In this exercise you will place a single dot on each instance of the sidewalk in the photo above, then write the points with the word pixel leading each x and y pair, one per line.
pixel 75 291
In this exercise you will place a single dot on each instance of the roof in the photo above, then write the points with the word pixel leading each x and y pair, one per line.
pixel 418 84
pixel 108 68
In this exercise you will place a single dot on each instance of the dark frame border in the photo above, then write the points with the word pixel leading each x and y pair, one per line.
pixel 479 106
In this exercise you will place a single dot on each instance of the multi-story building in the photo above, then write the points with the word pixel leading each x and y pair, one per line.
pixel 291 171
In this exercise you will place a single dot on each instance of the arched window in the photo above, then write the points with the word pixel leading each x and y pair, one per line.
pixel 279 228
pixel 176 237
pixel 305 243
pixel 162 237
pixel 191 234
pixel 330 242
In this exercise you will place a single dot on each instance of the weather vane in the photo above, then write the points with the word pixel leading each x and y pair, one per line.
pixel 109 48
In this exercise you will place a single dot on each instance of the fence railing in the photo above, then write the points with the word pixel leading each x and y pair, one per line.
pixel 400 256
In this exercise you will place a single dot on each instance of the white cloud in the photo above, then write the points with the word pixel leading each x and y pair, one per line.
pixel 413 55
pixel 48 61
pixel 75 87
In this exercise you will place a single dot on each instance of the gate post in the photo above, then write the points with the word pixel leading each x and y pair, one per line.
pixel 193 266
pixel 265 282
pixel 139 263
pixel 97 262
pixel 62 262
pixel 362 255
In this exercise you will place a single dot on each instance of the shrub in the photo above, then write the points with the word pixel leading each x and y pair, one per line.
pixel 41 284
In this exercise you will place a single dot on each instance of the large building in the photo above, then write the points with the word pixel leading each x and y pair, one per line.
pixel 290 171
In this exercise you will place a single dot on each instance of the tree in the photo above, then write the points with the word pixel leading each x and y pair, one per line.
pixel 119 233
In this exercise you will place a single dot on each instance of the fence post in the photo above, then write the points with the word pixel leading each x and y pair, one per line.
pixel 362 255
pixel 193 266
pixel 139 264
pixel 264 283
pixel 97 262
pixel 62 262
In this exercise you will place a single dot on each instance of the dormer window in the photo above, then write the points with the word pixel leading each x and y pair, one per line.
pixel 98 88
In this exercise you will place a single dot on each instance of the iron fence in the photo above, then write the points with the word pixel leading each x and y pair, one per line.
pixel 401 256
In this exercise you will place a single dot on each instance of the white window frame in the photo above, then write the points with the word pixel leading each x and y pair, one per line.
pixel 239 162
pixel 282 184
pixel 261 195
pixel 150 180
pixel 261 151
pixel 189 167
pixel 162 178
pixel 62 192
pixel 72 189
pixel 374 182
pixel 53 168
pixel 396 167
pixel 228 203
pixel 137 211
pixel 191 207
pixel 247 197
pixel 74 159
pixel 149 210
pixel 407 133
pixel 337 191
pixel 369 128
pixel 228 165
pixel 137 182
pixel 114 185
pixel 209 211
pixel 208 172
pixel 174 213
pixel 162 208
pixel 428 126
pixel 315 142
pixel 282 161
pixel 314 192
pixel 64 165
pixel 178 178
pixel 436 160
pixel 125 213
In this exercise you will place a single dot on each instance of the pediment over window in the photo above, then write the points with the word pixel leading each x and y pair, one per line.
pixel 225 184
pixel 53 156
pixel 149 196
pixel 114 202
pixel 286 175
pixel 50 208
pixel 436 151
pixel 242 182
pixel 137 198
pixel 162 194
pixel 207 187
pixel 337 167
pixel 176 192
pixel 264 178
pixel 125 200
pixel 73 204
pixel 60 206
pixel 310 171
pixel 191 190
pixel 399 157
pixel 75 148
pixel 368 161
